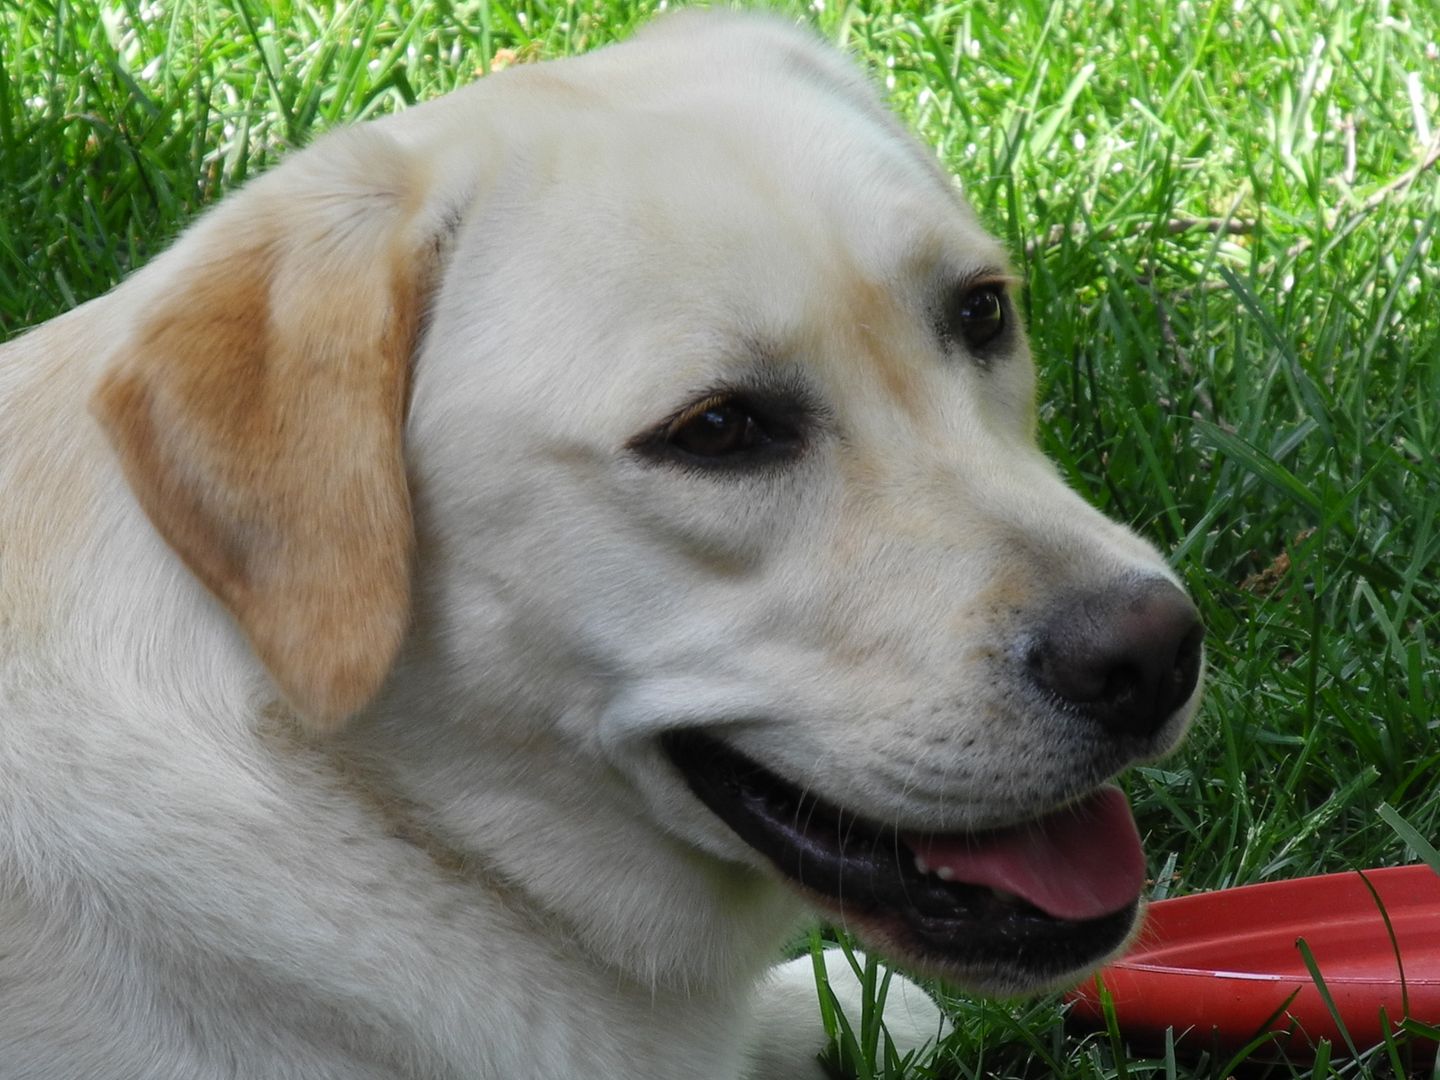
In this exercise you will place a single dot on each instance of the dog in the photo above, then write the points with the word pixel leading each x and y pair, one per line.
pixel 471 597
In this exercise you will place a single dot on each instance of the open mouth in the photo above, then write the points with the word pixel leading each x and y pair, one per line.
pixel 1000 908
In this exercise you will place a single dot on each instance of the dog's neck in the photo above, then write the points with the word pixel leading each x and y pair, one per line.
pixel 566 846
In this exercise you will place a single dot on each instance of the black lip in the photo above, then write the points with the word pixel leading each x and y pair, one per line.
pixel 865 872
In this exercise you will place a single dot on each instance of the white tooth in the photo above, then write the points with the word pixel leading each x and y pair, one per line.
pixel 944 873
pixel 921 865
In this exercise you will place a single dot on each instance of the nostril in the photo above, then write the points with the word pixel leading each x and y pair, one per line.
pixel 1186 668
pixel 1121 682
pixel 1127 657
pixel 1068 674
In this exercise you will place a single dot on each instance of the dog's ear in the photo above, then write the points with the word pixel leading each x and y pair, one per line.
pixel 257 411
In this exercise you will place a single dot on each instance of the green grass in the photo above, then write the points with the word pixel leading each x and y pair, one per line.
pixel 1225 212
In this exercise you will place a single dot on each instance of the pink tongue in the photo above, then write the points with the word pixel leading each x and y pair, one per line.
pixel 1078 863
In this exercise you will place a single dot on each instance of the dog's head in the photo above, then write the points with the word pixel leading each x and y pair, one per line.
pixel 715 409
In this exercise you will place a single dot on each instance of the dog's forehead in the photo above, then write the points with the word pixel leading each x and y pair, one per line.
pixel 736 197
pixel 796 124
pixel 766 151
pixel 736 125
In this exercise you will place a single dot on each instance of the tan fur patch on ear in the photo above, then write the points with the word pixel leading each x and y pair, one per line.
pixel 258 415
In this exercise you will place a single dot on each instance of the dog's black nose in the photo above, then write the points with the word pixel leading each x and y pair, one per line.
pixel 1126 657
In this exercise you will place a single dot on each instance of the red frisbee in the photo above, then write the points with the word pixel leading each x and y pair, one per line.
pixel 1228 964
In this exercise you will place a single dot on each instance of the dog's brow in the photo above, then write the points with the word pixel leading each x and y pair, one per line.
pixel 983 275
pixel 771 369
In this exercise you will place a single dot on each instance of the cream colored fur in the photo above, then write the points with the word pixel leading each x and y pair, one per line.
pixel 337 623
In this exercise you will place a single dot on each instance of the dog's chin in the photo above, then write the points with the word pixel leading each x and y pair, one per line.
pixel 991 910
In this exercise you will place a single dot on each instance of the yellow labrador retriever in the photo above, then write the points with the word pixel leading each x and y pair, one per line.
pixel 465 601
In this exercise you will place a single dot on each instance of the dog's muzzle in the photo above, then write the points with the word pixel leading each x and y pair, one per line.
pixel 1012 907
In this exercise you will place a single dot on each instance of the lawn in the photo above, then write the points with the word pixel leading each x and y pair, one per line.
pixel 1224 211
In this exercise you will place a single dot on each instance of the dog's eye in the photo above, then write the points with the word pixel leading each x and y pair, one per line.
pixel 717 429
pixel 979 315
pixel 730 431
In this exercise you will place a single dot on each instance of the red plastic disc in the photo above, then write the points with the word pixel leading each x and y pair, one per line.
pixel 1226 963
